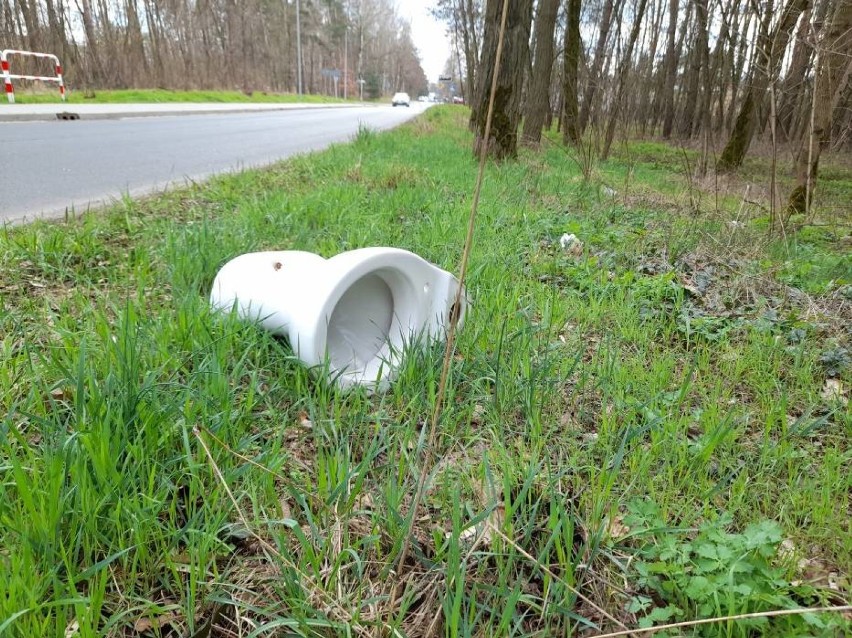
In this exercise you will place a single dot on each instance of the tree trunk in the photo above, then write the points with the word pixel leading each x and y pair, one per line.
pixel 57 43
pixel 718 61
pixel 135 46
pixel 672 56
pixel 725 62
pixel 621 80
pixel 793 90
pixel 833 59
pixel 703 113
pixel 503 140
pixel 538 98
pixel 570 85
pixel 693 77
pixel 157 53
pixel 765 71
pixel 737 70
pixel 470 19
pixel 649 97
pixel 30 14
pixel 842 119
pixel 92 45
pixel 597 63
pixel 793 85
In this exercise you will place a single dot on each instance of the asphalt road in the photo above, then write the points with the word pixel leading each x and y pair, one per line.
pixel 50 168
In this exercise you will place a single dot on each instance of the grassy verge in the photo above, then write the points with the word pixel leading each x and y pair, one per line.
pixel 144 96
pixel 659 420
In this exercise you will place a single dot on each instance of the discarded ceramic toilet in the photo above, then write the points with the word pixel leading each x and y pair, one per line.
pixel 351 316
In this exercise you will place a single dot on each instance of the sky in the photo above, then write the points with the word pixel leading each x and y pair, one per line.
pixel 429 35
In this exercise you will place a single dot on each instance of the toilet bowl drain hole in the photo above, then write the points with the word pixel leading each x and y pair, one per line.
pixel 360 324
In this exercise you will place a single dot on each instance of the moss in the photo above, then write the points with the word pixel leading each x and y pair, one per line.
pixel 735 150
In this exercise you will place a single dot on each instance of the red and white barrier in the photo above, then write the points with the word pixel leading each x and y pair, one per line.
pixel 8 76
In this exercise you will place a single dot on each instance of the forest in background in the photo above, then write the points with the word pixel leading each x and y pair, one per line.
pixel 721 75
pixel 246 45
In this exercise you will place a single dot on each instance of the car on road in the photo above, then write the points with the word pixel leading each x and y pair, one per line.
pixel 401 99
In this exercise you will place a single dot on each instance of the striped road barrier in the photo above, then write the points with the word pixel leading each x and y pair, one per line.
pixel 8 76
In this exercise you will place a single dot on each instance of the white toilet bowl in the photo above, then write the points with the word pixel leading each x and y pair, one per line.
pixel 351 315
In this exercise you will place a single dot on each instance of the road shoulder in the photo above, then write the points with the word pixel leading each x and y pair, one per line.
pixel 48 112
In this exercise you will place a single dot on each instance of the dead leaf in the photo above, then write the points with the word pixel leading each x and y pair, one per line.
pixel 304 421
pixel 787 549
pixel 286 512
pixel 465 535
pixel 833 390
pixel 616 528
pixel 816 572
pixel 58 394
pixel 147 623
pixel 364 501
pixel 72 629
pixel 568 421
pixel 691 289
pixel 478 413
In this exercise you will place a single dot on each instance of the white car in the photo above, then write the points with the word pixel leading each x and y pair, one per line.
pixel 401 99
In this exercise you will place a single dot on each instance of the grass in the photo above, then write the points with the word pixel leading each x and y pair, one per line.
pixel 659 399
pixel 144 96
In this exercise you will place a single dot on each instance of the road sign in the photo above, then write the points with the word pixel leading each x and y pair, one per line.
pixel 445 78
pixel 330 73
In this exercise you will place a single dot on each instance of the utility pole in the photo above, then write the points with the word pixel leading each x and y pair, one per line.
pixel 299 44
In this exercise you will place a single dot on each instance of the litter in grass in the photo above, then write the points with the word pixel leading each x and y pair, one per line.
pixel 352 316
pixel 571 244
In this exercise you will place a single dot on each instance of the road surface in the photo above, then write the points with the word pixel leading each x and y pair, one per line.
pixel 50 168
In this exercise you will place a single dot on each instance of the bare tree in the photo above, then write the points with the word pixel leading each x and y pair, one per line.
pixel 621 80
pixel 645 99
pixel 773 44
pixel 464 20
pixel 670 70
pixel 697 59
pixel 833 63
pixel 598 62
pixel 538 98
pixel 247 45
